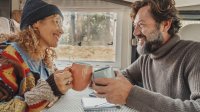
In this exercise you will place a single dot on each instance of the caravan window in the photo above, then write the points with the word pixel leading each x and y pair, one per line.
pixel 88 36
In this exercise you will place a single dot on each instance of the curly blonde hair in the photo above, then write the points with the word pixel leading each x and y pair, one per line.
pixel 28 40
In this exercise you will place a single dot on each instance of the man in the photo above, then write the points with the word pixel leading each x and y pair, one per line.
pixel 168 67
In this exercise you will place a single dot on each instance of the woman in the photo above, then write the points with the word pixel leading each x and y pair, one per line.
pixel 28 78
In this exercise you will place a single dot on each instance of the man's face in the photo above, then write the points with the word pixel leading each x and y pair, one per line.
pixel 147 32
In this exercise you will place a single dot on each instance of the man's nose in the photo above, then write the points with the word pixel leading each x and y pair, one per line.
pixel 136 31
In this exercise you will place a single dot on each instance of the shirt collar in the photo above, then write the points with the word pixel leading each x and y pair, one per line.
pixel 163 50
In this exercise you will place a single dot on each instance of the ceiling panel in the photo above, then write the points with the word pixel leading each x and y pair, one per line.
pixel 180 3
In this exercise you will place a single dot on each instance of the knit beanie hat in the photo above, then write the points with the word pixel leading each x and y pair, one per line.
pixel 35 10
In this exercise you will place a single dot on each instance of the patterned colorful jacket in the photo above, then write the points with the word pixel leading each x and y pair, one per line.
pixel 20 88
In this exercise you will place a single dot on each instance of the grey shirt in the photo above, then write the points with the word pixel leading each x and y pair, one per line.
pixel 170 76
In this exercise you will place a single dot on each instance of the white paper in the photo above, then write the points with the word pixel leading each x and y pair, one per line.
pixel 91 103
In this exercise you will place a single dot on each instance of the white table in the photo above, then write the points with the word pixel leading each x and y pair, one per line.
pixel 71 102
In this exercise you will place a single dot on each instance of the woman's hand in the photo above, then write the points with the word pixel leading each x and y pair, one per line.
pixel 63 79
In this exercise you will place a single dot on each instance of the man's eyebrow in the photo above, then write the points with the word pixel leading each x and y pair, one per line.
pixel 139 21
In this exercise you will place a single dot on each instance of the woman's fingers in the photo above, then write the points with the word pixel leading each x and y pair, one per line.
pixel 63 79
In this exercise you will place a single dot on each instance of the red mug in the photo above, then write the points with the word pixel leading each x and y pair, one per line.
pixel 81 74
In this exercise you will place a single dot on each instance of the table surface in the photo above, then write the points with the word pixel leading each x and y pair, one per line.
pixel 71 102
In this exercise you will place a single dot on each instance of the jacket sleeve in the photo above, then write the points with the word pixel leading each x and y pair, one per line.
pixel 34 99
pixel 9 99
pixel 133 72
pixel 147 101
pixel 39 96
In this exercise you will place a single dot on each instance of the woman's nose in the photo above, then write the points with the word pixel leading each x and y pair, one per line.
pixel 61 31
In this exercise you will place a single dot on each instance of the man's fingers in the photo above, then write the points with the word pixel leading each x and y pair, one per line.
pixel 100 95
pixel 118 73
pixel 100 89
pixel 102 81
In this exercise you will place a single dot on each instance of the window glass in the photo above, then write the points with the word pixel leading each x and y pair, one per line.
pixel 88 36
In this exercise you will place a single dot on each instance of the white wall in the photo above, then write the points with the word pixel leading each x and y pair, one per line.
pixel 194 7
pixel 15 4
pixel 190 32
pixel 126 39
pixel 182 3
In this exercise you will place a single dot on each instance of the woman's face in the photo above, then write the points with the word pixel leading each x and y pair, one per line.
pixel 50 30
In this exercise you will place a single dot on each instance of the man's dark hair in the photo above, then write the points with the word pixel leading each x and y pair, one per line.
pixel 161 10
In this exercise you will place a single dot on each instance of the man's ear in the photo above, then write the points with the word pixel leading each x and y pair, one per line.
pixel 165 25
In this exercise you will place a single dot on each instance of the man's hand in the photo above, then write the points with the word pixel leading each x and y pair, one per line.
pixel 115 90
pixel 63 79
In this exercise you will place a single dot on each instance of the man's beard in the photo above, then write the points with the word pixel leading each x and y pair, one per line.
pixel 151 43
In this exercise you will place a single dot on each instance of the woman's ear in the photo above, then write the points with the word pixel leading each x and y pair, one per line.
pixel 36 25
pixel 165 25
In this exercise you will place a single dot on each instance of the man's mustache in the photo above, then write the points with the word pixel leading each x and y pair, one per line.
pixel 140 37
